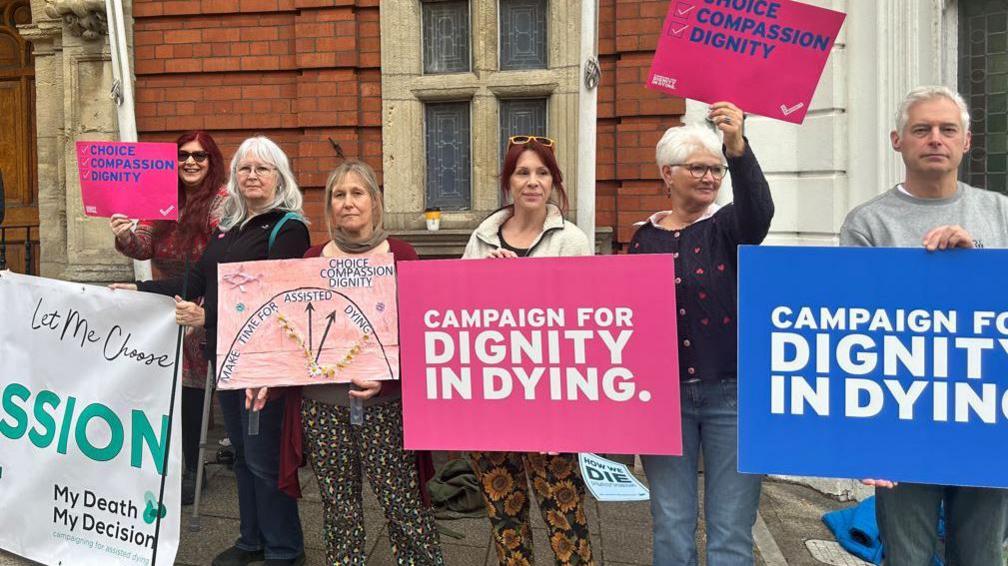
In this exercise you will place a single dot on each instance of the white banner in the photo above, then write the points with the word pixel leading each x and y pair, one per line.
pixel 85 381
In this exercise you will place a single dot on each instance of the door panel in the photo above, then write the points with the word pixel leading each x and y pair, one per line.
pixel 17 135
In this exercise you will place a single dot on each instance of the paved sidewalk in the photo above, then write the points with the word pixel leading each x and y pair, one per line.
pixel 621 532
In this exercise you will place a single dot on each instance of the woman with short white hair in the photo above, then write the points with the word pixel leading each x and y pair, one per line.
pixel 703 238
pixel 261 219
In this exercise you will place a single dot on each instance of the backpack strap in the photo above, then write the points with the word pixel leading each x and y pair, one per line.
pixel 276 228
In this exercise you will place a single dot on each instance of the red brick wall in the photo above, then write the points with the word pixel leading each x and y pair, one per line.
pixel 298 71
pixel 631 117
pixel 302 71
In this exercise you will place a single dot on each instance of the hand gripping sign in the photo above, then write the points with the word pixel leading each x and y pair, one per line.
pixel 766 56
pixel 139 180
pixel 540 354
pixel 894 366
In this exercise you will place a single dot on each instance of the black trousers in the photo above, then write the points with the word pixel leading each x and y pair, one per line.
pixel 192 419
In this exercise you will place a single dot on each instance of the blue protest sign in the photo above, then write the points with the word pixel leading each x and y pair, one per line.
pixel 874 363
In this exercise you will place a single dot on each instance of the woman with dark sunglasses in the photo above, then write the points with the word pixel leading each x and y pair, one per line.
pixel 703 238
pixel 166 244
pixel 533 225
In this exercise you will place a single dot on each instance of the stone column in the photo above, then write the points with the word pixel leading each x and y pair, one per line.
pixel 73 78
pixel 46 37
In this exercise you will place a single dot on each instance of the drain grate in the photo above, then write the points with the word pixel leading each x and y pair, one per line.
pixel 830 552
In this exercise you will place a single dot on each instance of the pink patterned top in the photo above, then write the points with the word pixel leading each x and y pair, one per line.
pixel 157 241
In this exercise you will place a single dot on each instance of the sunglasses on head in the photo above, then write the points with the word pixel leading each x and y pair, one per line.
pixel 522 140
pixel 198 156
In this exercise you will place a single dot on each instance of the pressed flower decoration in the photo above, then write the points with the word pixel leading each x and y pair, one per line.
pixel 315 369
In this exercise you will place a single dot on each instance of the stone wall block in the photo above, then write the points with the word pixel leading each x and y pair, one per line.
pixel 93 113
pixel 832 90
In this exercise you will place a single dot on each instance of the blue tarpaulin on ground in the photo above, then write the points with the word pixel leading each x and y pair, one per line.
pixel 857 531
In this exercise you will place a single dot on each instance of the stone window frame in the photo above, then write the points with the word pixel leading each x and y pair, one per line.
pixel 405 91
pixel 423 43
pixel 500 36
pixel 445 201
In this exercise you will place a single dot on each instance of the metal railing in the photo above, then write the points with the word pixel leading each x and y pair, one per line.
pixel 23 239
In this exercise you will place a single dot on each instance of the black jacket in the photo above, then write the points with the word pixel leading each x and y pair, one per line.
pixel 248 243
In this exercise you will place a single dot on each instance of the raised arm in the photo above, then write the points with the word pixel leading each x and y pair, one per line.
pixel 754 208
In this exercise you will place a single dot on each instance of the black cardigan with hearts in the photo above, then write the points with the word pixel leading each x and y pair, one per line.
pixel 706 261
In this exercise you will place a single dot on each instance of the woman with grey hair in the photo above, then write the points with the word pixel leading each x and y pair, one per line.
pixel 702 238
pixel 355 429
pixel 261 219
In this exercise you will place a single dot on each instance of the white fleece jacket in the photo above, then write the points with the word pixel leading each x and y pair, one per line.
pixel 558 238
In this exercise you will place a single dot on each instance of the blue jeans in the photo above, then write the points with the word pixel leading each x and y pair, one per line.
pixel 975 522
pixel 731 499
pixel 269 517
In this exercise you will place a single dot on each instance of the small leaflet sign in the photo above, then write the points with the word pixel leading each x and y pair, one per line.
pixel 610 481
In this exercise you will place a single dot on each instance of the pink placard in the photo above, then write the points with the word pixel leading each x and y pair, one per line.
pixel 765 56
pixel 550 354
pixel 139 180
pixel 307 322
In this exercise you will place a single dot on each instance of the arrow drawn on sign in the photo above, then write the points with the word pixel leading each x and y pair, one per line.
pixel 331 318
pixel 310 309
pixel 790 110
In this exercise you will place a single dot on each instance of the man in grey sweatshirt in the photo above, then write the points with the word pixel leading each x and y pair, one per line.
pixel 932 208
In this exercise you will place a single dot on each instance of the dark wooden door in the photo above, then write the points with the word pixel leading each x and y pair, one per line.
pixel 17 138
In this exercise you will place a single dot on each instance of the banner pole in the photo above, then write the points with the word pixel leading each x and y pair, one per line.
pixel 587 119
pixel 171 421
pixel 122 95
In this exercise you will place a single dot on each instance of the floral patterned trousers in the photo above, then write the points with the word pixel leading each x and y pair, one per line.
pixel 557 484
pixel 337 451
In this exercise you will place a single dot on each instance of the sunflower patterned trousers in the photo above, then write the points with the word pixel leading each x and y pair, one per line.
pixel 557 484
pixel 337 451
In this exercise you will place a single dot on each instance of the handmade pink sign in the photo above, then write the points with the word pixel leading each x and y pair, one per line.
pixel 548 354
pixel 766 56
pixel 139 180
pixel 306 321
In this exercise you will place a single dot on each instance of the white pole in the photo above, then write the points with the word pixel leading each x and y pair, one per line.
pixel 587 118
pixel 122 94
pixel 121 71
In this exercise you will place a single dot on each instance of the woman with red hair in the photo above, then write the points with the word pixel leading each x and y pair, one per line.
pixel 167 244
pixel 533 225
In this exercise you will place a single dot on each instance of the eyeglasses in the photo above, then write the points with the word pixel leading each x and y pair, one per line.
pixel 198 156
pixel 522 140
pixel 260 170
pixel 698 171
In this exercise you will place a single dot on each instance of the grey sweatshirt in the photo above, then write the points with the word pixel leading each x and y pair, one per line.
pixel 895 219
